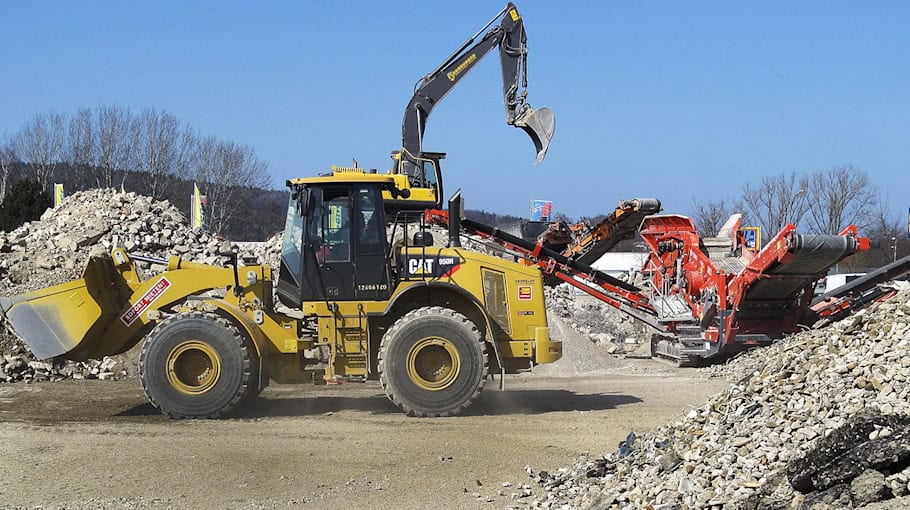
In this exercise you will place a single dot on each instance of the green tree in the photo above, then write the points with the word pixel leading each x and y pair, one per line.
pixel 26 200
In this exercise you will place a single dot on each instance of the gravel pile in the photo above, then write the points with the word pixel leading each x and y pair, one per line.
pixel 836 396
pixel 605 325
pixel 18 365
pixel 55 249
pixel 580 356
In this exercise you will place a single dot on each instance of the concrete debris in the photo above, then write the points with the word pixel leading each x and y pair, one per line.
pixel 60 242
pixel 605 325
pixel 55 248
pixel 834 398
pixel 18 365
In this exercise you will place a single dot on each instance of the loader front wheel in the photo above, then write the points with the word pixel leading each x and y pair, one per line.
pixel 197 365
pixel 432 362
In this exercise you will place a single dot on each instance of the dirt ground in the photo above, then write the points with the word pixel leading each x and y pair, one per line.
pixel 98 444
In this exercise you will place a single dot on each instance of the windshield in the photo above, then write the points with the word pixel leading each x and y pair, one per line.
pixel 292 241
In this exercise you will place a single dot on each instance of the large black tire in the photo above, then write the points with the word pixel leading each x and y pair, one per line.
pixel 432 362
pixel 198 365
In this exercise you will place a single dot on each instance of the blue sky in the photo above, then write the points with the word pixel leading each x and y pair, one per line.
pixel 680 101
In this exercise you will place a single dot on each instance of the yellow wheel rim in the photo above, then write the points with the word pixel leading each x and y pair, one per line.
pixel 193 367
pixel 433 363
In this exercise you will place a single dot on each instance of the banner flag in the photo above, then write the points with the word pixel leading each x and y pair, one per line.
pixel 198 213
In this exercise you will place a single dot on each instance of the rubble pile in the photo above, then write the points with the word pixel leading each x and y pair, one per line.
pixel 18 365
pixel 605 325
pixel 833 399
pixel 269 252
pixel 55 249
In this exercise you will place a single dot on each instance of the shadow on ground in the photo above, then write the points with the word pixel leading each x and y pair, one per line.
pixel 490 403
pixel 545 401
pixel 85 403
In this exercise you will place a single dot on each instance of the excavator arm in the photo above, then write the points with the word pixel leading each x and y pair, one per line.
pixel 509 35
pixel 512 41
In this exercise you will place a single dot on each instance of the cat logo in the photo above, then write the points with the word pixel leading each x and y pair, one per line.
pixel 439 267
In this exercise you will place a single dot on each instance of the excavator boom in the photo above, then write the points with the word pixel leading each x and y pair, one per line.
pixel 511 39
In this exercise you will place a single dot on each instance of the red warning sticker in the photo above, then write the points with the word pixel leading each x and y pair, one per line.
pixel 524 293
pixel 145 301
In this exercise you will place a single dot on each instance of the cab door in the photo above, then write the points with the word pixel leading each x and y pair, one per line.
pixel 328 267
pixel 371 270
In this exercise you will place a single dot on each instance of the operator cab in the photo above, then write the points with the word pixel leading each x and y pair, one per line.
pixel 420 175
pixel 334 245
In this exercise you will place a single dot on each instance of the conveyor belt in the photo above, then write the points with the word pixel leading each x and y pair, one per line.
pixel 545 252
pixel 858 293
pixel 616 228
pixel 889 272
pixel 812 256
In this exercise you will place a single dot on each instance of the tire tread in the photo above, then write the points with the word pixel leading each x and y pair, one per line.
pixel 416 315
pixel 248 384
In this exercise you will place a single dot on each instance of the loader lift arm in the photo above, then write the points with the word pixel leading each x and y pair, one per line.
pixel 509 35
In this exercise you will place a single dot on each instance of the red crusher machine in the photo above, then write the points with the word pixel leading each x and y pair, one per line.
pixel 708 297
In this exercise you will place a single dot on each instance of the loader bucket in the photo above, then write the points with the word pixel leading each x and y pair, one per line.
pixel 540 125
pixel 67 319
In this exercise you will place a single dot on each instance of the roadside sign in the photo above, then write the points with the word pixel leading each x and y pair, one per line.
pixel 541 210
pixel 751 238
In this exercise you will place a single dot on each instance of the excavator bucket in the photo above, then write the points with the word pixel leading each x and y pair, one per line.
pixel 540 125
pixel 70 318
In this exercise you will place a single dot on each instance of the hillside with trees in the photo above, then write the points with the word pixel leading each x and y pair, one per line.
pixel 818 202
pixel 149 152
pixel 152 153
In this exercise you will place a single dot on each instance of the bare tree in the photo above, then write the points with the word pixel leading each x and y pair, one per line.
pixel 889 239
pixel 162 151
pixel 839 197
pixel 7 158
pixel 81 147
pixel 710 216
pixel 226 172
pixel 112 144
pixel 777 201
pixel 40 145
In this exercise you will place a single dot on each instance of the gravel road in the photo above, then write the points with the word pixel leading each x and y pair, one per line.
pixel 98 444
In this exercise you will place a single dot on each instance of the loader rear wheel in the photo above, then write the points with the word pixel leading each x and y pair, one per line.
pixel 432 362
pixel 198 365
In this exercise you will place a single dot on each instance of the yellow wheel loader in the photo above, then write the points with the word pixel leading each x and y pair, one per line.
pixel 426 317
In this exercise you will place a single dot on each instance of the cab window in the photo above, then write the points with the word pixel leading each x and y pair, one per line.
pixel 336 226
pixel 429 170
pixel 372 230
